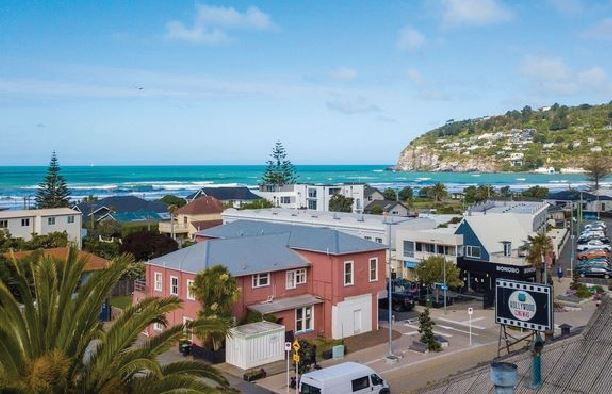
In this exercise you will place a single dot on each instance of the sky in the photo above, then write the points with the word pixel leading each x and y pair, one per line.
pixel 337 82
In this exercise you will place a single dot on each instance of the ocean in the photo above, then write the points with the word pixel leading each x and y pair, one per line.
pixel 18 184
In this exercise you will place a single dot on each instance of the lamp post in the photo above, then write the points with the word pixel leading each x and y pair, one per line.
pixel 390 356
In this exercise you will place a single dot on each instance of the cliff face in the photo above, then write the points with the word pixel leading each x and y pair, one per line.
pixel 421 158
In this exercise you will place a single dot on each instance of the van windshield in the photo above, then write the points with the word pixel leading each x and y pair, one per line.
pixel 308 389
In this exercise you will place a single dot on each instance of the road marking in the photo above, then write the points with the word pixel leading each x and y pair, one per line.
pixel 410 333
pixel 434 331
pixel 463 323
pixel 456 329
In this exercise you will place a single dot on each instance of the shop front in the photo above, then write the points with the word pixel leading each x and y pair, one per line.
pixel 479 276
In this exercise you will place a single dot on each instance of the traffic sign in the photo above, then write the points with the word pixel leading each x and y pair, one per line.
pixel 470 310
pixel 287 346
pixel 296 358
pixel 296 345
pixel 444 287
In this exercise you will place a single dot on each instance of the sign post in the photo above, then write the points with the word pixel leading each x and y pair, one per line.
pixel 470 311
pixel 296 359
pixel 288 350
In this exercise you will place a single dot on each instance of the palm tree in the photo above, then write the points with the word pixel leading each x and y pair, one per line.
pixel 539 246
pixel 51 341
pixel 437 192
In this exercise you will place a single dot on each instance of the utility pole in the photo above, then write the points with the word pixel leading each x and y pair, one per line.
pixel 391 358
pixel 445 285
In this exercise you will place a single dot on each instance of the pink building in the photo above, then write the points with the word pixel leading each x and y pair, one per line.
pixel 316 281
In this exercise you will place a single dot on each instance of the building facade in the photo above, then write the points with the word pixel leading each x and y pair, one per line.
pixel 313 197
pixel 316 282
pixel 198 214
pixel 24 223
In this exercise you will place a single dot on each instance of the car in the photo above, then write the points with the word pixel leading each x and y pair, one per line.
pixel 595 270
pixel 345 378
pixel 588 234
pixel 591 254
pixel 591 263
pixel 404 294
pixel 592 245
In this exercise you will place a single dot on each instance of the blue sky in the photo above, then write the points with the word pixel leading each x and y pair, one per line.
pixel 184 82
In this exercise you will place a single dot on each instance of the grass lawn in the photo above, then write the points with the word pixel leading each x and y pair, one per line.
pixel 121 302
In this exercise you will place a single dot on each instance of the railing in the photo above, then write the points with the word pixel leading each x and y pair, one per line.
pixel 166 227
pixel 498 257
pixel 140 285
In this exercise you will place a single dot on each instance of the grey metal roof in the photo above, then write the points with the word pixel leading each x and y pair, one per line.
pixel 257 328
pixel 242 256
pixel 283 304
pixel 319 239
pixel 579 364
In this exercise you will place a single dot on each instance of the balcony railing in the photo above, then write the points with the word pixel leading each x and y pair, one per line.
pixel 166 227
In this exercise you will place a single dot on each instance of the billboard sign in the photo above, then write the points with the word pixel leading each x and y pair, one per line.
pixel 524 304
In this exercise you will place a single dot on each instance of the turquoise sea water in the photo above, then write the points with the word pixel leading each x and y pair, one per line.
pixel 156 181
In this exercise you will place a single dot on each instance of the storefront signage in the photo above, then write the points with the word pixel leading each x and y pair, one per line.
pixel 524 304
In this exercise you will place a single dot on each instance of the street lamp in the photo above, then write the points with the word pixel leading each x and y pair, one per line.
pixel 390 357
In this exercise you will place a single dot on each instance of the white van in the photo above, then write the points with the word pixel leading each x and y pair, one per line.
pixel 345 378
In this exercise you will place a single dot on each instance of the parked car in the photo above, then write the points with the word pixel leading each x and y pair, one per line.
pixel 593 245
pixel 591 254
pixel 594 270
pixel 344 378
pixel 404 295
pixel 585 263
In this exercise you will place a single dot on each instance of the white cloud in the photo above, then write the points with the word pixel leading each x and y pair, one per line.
pixel 567 7
pixel 551 75
pixel 351 106
pixel 410 39
pixel 601 30
pixel 426 90
pixel 212 24
pixel 343 73
pixel 474 12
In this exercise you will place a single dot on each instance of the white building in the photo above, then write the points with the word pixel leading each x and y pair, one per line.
pixel 371 227
pixel 24 223
pixel 313 197
pixel 414 246
pixel 530 214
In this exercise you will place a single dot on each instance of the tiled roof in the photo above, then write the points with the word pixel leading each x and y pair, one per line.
pixel 204 224
pixel 93 263
pixel 319 239
pixel 123 204
pixel 573 195
pixel 579 364
pixel 201 206
pixel 385 205
pixel 226 193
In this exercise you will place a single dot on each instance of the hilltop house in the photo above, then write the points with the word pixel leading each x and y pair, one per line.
pixel 199 214
pixel 24 223
pixel 123 209
pixel 230 195
pixel 315 281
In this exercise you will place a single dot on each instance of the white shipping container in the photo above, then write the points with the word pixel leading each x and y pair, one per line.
pixel 255 344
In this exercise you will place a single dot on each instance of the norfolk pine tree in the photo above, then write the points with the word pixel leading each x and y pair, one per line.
pixel 53 191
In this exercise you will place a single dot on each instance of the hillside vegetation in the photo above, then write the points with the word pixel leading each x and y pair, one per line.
pixel 558 136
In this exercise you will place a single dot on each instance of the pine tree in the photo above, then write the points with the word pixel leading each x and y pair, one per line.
pixel 426 330
pixel 279 170
pixel 53 191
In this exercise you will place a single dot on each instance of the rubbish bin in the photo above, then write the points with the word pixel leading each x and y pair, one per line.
pixel 185 348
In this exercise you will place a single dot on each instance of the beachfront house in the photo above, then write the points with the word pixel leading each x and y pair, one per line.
pixel 314 281
pixel 314 197
pixel 198 214
pixel 25 223
pixel 233 196
pixel 123 209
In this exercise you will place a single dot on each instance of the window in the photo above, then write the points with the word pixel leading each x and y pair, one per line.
pixel 312 193
pixel 305 388
pixel 51 221
pixel 360 383
pixel 25 222
pixel 261 280
pixel 190 295
pixel 312 204
pixel 507 249
pixel 71 219
pixel 285 200
pixel 373 270
pixel 408 249
pixel 367 238
pixel 304 320
pixel 418 247
pixel 379 240
pixel 3 223
pixel 295 277
pixel 376 380
pixel 158 327
pixel 348 273
pixel 157 285
pixel 173 285
pixel 472 251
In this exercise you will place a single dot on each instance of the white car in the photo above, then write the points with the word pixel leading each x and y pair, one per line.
pixel 345 378
pixel 593 245
pixel 587 234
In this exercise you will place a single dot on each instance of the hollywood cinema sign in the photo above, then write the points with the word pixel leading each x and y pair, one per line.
pixel 524 304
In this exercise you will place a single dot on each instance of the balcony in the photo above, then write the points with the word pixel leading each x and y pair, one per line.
pixel 179 228
pixel 499 258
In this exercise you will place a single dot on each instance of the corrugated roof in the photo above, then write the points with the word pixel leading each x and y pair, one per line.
pixel 283 304
pixel 36 212
pixel 123 204
pixel 320 239
pixel 201 206
pixel 579 364
pixel 242 256
pixel 491 230
pixel 226 193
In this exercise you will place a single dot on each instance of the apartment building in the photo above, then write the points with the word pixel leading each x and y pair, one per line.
pixel 24 223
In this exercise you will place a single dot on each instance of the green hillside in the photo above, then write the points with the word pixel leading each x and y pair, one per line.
pixel 557 136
